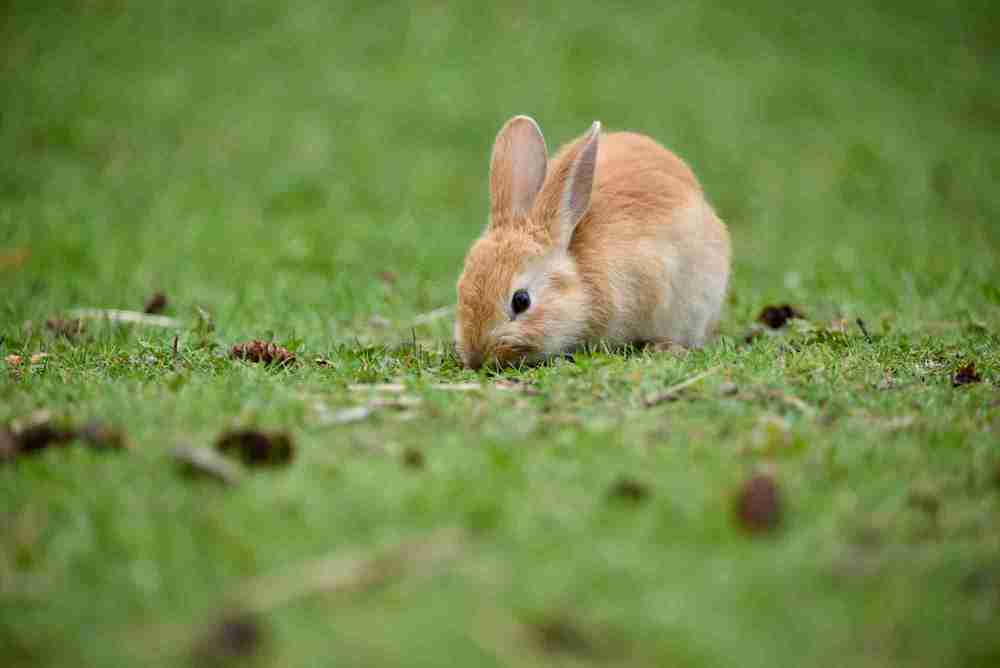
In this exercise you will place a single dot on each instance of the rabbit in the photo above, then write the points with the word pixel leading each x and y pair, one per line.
pixel 612 242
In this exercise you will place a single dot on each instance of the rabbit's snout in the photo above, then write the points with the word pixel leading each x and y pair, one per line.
pixel 474 360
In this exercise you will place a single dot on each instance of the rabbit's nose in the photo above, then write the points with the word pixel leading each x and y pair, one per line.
pixel 474 360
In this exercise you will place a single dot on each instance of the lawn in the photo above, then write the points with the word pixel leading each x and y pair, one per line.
pixel 310 174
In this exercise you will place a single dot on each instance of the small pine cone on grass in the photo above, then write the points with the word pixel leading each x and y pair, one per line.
pixel 263 352
pixel 155 304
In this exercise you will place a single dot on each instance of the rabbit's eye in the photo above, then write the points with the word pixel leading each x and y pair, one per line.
pixel 520 301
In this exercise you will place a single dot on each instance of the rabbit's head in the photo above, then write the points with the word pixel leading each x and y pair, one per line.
pixel 521 297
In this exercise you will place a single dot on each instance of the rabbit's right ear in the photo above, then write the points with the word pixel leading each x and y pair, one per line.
pixel 517 168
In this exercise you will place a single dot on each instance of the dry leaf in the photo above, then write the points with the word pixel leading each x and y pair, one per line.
pixel 38 432
pixel 966 375
pixel 758 504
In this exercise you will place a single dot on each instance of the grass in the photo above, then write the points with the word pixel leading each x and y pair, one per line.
pixel 287 171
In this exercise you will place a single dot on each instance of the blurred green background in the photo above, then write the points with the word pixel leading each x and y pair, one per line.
pixel 246 153
pixel 294 168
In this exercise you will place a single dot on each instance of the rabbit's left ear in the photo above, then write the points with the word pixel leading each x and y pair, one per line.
pixel 517 169
pixel 580 181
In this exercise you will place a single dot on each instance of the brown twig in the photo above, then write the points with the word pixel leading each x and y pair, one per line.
pixel 792 401
pixel 206 462
pixel 343 574
pixel 117 315
pixel 672 392
pixel 431 316
pixel 864 330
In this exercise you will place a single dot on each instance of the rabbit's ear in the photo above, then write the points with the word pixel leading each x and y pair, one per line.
pixel 579 182
pixel 517 168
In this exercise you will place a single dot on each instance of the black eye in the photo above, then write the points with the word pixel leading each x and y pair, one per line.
pixel 520 301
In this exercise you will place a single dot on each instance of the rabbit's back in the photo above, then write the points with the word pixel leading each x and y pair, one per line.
pixel 651 250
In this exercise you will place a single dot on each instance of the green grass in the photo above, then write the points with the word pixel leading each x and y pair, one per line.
pixel 265 163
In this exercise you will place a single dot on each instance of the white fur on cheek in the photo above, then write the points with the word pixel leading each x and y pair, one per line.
pixel 565 327
pixel 565 311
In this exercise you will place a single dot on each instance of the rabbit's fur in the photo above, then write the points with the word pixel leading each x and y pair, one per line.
pixel 612 239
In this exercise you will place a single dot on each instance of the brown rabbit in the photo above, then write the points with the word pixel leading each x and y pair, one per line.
pixel 613 242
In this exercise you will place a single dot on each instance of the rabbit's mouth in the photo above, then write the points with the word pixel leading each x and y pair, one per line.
pixel 501 356
pixel 506 354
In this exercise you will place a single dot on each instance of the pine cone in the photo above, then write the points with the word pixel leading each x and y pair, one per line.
pixel 256 447
pixel 262 351
pixel 775 317
pixel 155 304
